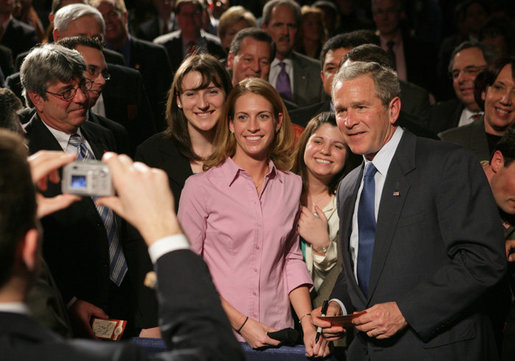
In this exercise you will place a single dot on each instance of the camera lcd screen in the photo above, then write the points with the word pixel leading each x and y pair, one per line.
pixel 78 181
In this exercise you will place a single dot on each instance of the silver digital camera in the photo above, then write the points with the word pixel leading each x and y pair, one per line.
pixel 87 178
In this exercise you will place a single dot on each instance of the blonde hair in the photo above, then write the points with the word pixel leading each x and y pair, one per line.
pixel 224 142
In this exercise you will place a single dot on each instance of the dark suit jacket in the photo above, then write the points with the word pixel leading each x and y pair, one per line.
pixel 438 250
pixel 415 101
pixel 119 132
pixel 6 61
pixel 307 84
pixel 75 243
pixel 420 62
pixel 152 62
pixel 19 37
pixel 193 323
pixel 445 115
pixel 159 152
pixel 471 136
pixel 173 44
pixel 302 116
pixel 149 30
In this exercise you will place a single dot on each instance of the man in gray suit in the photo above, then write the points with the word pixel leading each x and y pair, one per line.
pixel 421 241
pixel 295 76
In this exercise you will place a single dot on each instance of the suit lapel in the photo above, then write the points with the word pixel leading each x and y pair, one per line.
pixel 39 136
pixel 300 84
pixel 95 141
pixel 395 191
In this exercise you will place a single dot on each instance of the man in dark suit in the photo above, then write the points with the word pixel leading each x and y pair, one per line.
pixel 421 241
pixel 467 60
pixel 87 249
pixel 150 59
pixel 190 38
pixel 15 34
pixel 295 76
pixel 162 23
pixel 413 59
pixel 194 324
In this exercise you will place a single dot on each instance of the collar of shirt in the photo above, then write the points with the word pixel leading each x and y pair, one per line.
pixel 63 139
pixel 275 69
pixel 467 117
pixel 384 157
pixel 232 171
pixel 14 307
pixel 200 43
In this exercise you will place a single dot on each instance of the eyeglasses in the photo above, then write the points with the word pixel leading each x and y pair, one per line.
pixel 68 94
pixel 470 70
pixel 94 72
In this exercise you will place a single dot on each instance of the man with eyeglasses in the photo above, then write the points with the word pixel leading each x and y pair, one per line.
pixel 98 76
pixel 467 60
pixel 93 281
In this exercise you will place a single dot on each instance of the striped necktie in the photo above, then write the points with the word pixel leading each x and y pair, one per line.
pixel 117 263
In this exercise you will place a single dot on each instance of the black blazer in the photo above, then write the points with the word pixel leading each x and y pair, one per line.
pixel 471 136
pixel 173 44
pixel 438 250
pixel 151 60
pixel 159 152
pixel 75 243
pixel 19 37
pixel 6 61
pixel 193 324
pixel 445 115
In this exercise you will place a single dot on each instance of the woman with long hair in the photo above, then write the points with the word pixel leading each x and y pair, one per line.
pixel 241 217
pixel 321 161
pixel 194 105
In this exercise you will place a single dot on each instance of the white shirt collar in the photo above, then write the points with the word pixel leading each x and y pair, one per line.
pixel 14 307
pixel 384 157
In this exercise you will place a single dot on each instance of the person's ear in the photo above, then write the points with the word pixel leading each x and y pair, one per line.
pixel 56 35
pixel 178 99
pixel 230 60
pixel 279 122
pixel 29 251
pixel 36 99
pixel 497 161
pixel 394 109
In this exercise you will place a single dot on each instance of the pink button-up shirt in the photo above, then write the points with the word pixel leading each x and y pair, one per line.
pixel 249 241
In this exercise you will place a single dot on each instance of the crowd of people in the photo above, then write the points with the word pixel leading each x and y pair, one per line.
pixel 317 154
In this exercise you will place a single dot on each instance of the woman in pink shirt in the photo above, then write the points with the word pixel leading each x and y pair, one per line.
pixel 241 217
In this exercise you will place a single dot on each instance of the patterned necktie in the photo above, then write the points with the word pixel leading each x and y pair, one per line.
pixel 391 53
pixel 117 263
pixel 283 83
pixel 366 227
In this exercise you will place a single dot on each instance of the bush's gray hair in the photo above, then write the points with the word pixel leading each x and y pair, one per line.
pixel 385 80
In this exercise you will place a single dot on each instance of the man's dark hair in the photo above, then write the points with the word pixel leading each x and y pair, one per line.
pixel 254 33
pixel 9 105
pixel 348 40
pixel 461 8
pixel 74 41
pixel 506 145
pixel 369 53
pixel 488 52
pixel 487 77
pixel 17 200
pixel 270 5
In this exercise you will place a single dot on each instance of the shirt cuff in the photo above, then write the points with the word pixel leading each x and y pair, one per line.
pixel 344 310
pixel 166 245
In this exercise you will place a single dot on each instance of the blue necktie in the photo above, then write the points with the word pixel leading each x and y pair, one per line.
pixel 117 264
pixel 366 227
pixel 282 84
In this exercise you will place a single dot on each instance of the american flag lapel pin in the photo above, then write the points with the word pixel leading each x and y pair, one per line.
pixel 396 194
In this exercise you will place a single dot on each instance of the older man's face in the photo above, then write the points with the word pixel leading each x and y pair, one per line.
pixel 283 29
pixel 467 64
pixel 66 115
pixel 252 60
pixel 366 124
pixel 115 21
